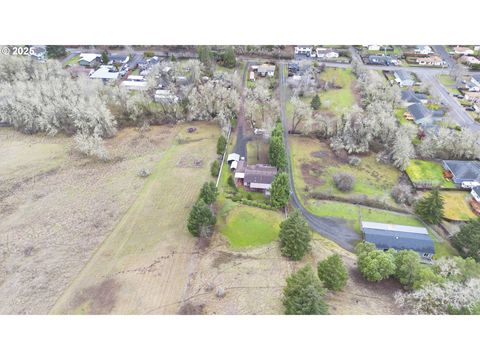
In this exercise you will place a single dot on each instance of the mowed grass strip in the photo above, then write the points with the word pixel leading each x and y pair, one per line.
pixel 338 100
pixel 456 206
pixel 424 171
pixel 247 226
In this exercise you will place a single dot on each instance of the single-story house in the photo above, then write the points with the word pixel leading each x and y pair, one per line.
pixel 303 50
pixel 381 60
pixel 233 157
pixel 411 97
pixel 404 78
pixel 87 59
pixel 373 47
pixel 473 96
pixel 326 53
pixel 165 97
pixel 266 70
pixel 39 52
pixel 476 80
pixel 105 73
pixel 423 49
pixel 399 237
pixel 433 60
pixel 240 169
pixel 134 85
pixel 462 170
pixel 136 78
pixel 476 193
pixel 421 115
pixel 148 63
pixel 469 60
pixel 463 50
pixel 118 59
pixel 259 177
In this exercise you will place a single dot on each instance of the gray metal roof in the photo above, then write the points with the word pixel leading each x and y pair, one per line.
pixel 419 111
pixel 399 240
pixel 476 77
pixel 476 190
pixel 464 170
pixel 403 75
pixel 263 174
pixel 411 96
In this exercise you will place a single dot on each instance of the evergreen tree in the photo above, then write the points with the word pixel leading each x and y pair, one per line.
pixel 375 265
pixel 215 168
pixel 221 145
pixel 408 266
pixel 280 191
pixel 315 103
pixel 333 272
pixel 200 217
pixel 276 153
pixel 430 208
pixel 105 58
pixel 467 240
pixel 229 59
pixel 208 193
pixel 304 294
pixel 294 236
pixel 56 51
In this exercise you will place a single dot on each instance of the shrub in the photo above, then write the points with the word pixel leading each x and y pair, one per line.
pixel 208 192
pixel 402 194
pixel 467 240
pixel 221 145
pixel 343 181
pixel 333 273
pixel 91 146
pixel 215 168
pixel 354 161
pixel 231 181
pixel 144 173
pixel 201 219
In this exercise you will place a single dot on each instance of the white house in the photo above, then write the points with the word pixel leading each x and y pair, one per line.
pixel 423 49
pixel 165 97
pixel 404 78
pixel 373 47
pixel 326 53
pixel 105 73
pixel 463 50
pixel 431 61
pixel 303 50
pixel 266 70
pixel 134 85
pixel 87 59
pixel 469 60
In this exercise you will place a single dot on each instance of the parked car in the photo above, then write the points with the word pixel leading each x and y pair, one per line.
pixel 470 108
pixel 470 184
pixel 458 96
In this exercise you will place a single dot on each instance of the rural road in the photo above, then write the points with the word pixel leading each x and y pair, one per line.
pixel 333 228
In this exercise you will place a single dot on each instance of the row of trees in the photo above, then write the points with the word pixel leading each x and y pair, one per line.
pixel 202 219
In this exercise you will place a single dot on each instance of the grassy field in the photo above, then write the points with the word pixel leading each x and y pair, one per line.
pixel 456 206
pixel 423 171
pixel 401 119
pixel 246 226
pixel 338 100
pixel 449 83
pixel 73 60
pixel 314 164
pixel 142 266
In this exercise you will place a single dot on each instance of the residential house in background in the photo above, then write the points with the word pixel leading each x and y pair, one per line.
pixel 382 60
pixel 266 70
pixel 462 171
pixel 399 237
pixel 475 201
pixel 476 80
pixel 107 73
pixel 433 60
pixel 421 115
pixel 469 60
pixel 373 47
pixel 404 78
pixel 91 60
pixel 324 53
pixel 39 52
pixel 165 97
pixel 462 50
pixel 411 97
pixel 115 59
pixel 135 83
pixel 258 177
pixel 303 50
pixel 423 50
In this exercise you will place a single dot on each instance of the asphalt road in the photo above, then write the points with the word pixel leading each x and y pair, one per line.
pixel 333 228
pixel 242 140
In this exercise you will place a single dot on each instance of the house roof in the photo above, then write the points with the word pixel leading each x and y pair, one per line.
pixel 476 190
pixel 418 111
pixel 476 77
pixel 89 57
pixel 241 166
pixel 105 72
pixel 260 174
pixel 116 58
pixel 266 68
pixel 139 85
pixel 403 75
pixel 411 96
pixel 465 170
pixel 398 237
pixel 232 156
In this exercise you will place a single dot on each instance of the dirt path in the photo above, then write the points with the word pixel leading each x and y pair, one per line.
pixel 242 140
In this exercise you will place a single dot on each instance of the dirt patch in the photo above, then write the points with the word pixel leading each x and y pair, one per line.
pixel 190 162
pixel 191 309
pixel 98 299
pixel 320 154
pixel 311 172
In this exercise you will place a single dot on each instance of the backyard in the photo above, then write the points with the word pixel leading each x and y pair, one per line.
pixel 427 173
pixel 456 206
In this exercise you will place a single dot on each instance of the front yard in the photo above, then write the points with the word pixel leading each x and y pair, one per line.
pixel 427 173
pixel 449 83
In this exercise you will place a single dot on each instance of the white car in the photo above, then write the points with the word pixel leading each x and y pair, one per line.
pixel 470 184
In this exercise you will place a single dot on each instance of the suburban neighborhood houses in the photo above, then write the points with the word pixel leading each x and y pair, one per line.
pixel 202 179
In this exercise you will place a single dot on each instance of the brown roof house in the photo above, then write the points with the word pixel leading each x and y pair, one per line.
pixel 258 177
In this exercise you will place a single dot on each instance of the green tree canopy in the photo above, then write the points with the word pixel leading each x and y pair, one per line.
pixel 333 272
pixel 221 145
pixel 200 218
pixel 56 51
pixel 215 168
pixel 430 208
pixel 280 191
pixel 315 103
pixel 208 192
pixel 276 153
pixel 105 58
pixel 408 265
pixel 304 293
pixel 375 265
pixel 229 59
pixel 294 236
pixel 467 240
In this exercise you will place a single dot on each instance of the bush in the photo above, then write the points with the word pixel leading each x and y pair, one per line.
pixel 91 146
pixel 215 168
pixel 402 194
pixel 333 273
pixel 148 54
pixel 144 173
pixel 231 181
pixel 221 145
pixel 467 240
pixel 354 161
pixel 201 219
pixel 208 192
pixel 375 265
pixel 343 181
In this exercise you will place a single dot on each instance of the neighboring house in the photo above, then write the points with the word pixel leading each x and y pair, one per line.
pixel 476 80
pixel 423 50
pixel 462 171
pixel 421 115
pixel 106 73
pixel 134 85
pixel 39 52
pixel 266 70
pixel 165 97
pixel 399 237
pixel 92 60
pixel 462 50
pixel 469 60
pixel 118 59
pixel 411 97
pixel 404 78
pixel 373 47
pixel 430 61
pixel 303 50
pixel 78 70
pixel 148 63
pixel 475 202
pixel 476 193
pixel 136 78
pixel 472 96
pixel 381 60
pixel 324 53
pixel 258 177
pixel 240 170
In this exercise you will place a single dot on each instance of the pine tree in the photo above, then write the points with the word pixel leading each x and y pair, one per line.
pixel 315 103
pixel 105 58
pixel 467 240
pixel 229 59
pixel 294 236
pixel 215 168
pixel 208 193
pixel 408 266
pixel 304 293
pixel 200 217
pixel 221 145
pixel 333 272
pixel 276 153
pixel 430 208
pixel 280 191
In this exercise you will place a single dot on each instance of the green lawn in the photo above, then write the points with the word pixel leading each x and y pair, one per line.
pixel 247 226
pixel 338 100
pixel 456 206
pixel 423 171
pixel 444 249
pixel 389 217
pixel 401 119
pixel 257 152
pixel 449 83
pixel 73 60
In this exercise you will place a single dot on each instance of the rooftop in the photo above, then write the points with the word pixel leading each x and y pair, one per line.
pixel 466 170
pixel 403 75
pixel 89 57
pixel 418 111
pixel 105 72
pixel 260 174
pixel 411 96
